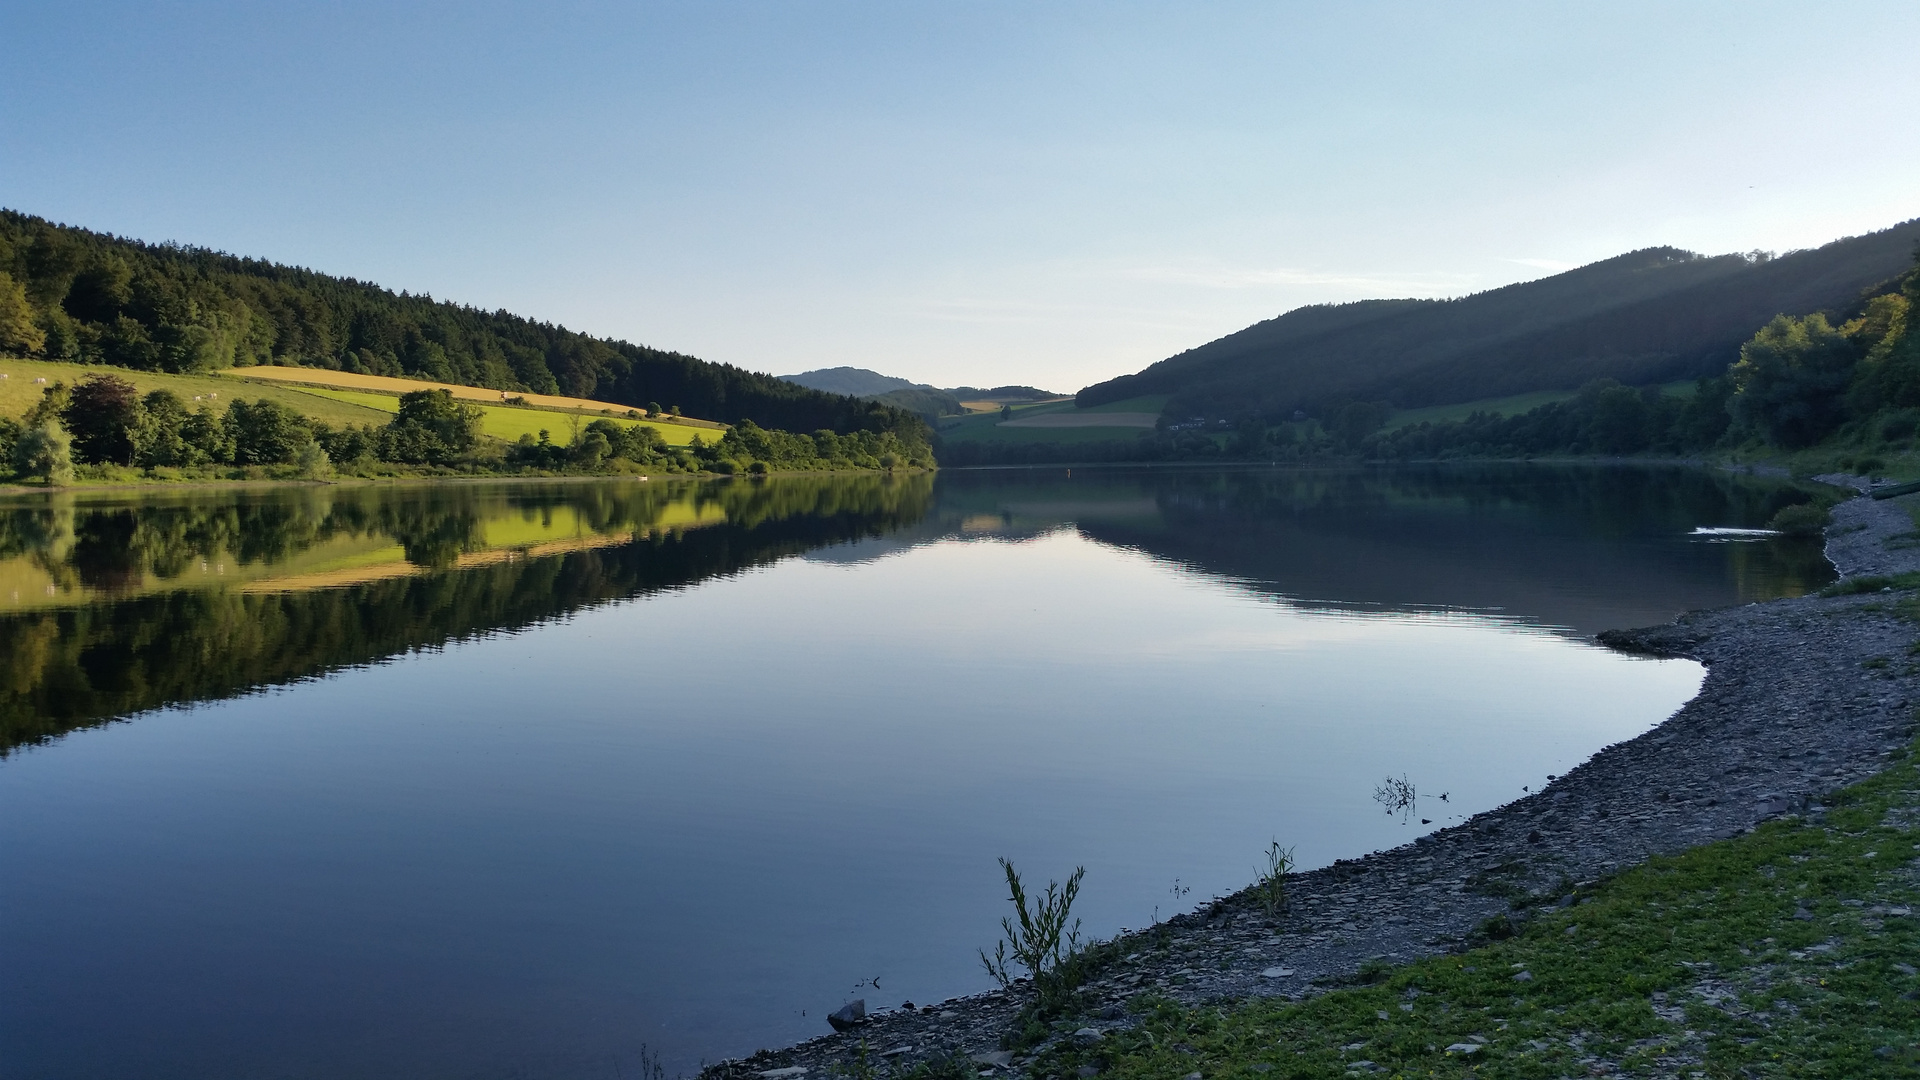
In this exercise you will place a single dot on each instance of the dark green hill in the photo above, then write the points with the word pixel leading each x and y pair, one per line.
pixel 926 401
pixel 97 298
pixel 1648 316
pixel 858 382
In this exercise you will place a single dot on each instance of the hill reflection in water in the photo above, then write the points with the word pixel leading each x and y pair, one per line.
pixel 1567 547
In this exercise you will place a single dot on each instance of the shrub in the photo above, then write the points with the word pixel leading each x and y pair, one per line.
pixel 44 452
pixel 1041 940
pixel 1803 519
pixel 312 461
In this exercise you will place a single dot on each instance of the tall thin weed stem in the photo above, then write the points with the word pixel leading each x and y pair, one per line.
pixel 1038 935
pixel 1273 879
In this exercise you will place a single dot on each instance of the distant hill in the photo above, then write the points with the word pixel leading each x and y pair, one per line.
pixel 1649 316
pixel 852 381
pixel 927 401
pixel 71 294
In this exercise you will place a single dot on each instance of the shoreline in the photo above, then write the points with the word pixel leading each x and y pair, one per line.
pixel 1799 700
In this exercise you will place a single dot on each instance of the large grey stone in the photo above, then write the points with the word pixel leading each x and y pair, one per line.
pixel 849 1015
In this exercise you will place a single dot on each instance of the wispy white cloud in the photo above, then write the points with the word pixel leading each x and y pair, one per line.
pixel 1556 265
pixel 1360 284
pixel 981 310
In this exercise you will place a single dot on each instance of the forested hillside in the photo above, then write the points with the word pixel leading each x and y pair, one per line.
pixel 73 294
pixel 1649 316
pixel 1851 388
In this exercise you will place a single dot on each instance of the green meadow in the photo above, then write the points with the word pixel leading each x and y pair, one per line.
pixel 19 391
pixel 339 408
pixel 510 422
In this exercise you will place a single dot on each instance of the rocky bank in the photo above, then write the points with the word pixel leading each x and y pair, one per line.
pixel 1801 696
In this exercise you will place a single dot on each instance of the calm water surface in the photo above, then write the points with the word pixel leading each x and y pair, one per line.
pixel 512 780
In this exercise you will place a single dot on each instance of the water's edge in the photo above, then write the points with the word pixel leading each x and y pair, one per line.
pixel 1784 680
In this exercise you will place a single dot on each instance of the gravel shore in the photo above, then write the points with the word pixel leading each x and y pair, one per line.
pixel 1801 697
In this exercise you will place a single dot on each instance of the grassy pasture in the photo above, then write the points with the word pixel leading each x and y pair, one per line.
pixel 510 422
pixel 341 408
pixel 19 392
pixel 383 384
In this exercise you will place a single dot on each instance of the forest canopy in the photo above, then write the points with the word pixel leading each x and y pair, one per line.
pixel 72 294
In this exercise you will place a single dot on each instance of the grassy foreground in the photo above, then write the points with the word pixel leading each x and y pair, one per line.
pixel 1791 951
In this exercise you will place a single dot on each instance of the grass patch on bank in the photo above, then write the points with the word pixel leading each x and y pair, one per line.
pixel 1790 952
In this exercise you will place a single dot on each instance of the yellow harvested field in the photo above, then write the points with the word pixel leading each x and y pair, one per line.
pixel 509 423
pixel 383 384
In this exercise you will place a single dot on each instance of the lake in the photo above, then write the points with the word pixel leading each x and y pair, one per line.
pixel 514 780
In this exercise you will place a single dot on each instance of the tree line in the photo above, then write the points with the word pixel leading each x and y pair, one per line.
pixel 104 421
pixel 73 294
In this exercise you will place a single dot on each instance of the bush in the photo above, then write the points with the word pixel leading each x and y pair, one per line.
pixel 431 428
pixel 44 452
pixel 265 432
pixel 312 461
pixel 1805 519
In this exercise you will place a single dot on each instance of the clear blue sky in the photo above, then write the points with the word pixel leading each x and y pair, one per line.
pixel 1047 193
